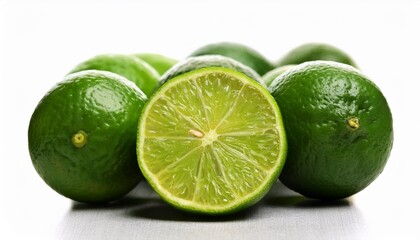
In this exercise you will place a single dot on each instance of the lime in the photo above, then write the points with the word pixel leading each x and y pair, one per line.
pixel 159 62
pixel 316 51
pixel 239 52
pixel 194 63
pixel 211 141
pixel 339 129
pixel 271 75
pixel 135 70
pixel 82 136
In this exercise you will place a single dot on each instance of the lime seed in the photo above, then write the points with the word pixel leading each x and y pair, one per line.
pixel 196 133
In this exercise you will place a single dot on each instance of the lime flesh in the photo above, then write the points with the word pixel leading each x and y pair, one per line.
pixel 211 141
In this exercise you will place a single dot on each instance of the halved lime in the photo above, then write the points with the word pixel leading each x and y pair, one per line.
pixel 211 141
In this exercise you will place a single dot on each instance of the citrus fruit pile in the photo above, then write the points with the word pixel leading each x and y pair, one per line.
pixel 212 133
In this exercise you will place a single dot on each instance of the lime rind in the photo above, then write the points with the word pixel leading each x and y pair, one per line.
pixel 206 61
pixel 81 133
pixel 244 155
pixel 239 52
pixel 134 69
pixel 159 62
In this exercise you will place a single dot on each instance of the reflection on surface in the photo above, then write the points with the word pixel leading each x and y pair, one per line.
pixel 125 202
pixel 301 202
pixel 304 218
pixel 142 202
pixel 165 212
pixel 283 197
pixel 282 214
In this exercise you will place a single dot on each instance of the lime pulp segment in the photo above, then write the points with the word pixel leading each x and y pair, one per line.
pixel 211 141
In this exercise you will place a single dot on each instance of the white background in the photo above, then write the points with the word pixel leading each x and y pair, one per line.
pixel 40 41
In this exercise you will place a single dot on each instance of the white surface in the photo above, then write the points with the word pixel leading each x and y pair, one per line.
pixel 41 40
pixel 281 215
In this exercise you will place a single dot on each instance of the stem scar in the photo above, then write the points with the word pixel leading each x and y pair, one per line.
pixel 79 139
pixel 353 122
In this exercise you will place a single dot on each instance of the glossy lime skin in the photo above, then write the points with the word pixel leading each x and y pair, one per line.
pixel 327 157
pixel 239 52
pixel 199 62
pixel 159 62
pixel 269 77
pixel 132 68
pixel 106 107
pixel 316 51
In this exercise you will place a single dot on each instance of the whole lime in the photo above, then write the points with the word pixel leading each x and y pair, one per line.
pixel 132 68
pixel 269 77
pixel 82 136
pixel 195 63
pixel 239 52
pixel 159 62
pixel 316 51
pixel 339 129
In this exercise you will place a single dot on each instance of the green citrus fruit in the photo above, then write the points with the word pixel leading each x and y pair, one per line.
pixel 159 62
pixel 135 70
pixel 82 136
pixel 194 63
pixel 316 51
pixel 211 141
pixel 339 129
pixel 271 75
pixel 239 52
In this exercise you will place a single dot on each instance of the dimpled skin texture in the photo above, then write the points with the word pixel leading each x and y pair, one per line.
pixel 130 67
pixel 316 51
pixel 106 107
pixel 327 159
pixel 239 52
